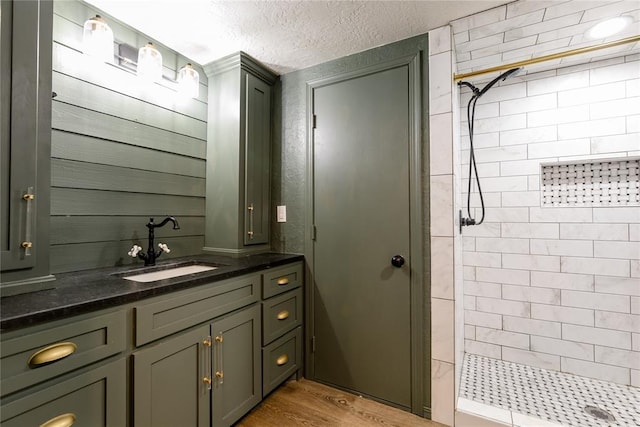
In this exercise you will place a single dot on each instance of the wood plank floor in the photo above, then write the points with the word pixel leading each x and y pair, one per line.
pixel 307 403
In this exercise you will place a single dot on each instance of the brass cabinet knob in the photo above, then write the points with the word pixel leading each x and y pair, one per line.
pixel 28 196
pixel 219 374
pixel 206 380
pixel 26 245
pixel 207 342
pixel 219 338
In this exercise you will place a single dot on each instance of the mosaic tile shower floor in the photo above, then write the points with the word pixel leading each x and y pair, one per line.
pixel 549 395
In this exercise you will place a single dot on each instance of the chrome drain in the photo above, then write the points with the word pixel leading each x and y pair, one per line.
pixel 599 413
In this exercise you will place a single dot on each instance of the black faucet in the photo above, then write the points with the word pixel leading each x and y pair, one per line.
pixel 151 255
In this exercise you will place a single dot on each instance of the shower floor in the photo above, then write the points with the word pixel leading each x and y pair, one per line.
pixel 555 397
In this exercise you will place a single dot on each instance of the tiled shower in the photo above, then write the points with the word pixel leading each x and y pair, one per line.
pixel 550 282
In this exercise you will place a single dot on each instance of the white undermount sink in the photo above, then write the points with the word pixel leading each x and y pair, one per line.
pixel 169 273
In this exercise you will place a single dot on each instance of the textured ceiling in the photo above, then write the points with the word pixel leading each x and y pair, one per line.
pixel 284 35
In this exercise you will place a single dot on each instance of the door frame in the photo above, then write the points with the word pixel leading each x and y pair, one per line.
pixel 416 214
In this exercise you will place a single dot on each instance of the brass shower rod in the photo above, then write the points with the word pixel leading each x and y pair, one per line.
pixel 550 57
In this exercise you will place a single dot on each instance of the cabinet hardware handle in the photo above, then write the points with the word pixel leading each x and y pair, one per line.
pixel 28 197
pixel 64 420
pixel 220 359
pixel 207 343
pixel 207 381
pixel 250 232
pixel 27 245
pixel 283 281
pixel 51 354
pixel 219 374
pixel 282 360
pixel 283 315
pixel 219 338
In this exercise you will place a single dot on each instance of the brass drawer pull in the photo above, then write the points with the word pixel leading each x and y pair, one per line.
pixel 219 374
pixel 64 420
pixel 283 281
pixel 207 381
pixel 283 315
pixel 282 360
pixel 51 354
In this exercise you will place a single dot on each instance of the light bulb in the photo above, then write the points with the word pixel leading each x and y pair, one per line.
pixel 609 27
pixel 189 81
pixel 97 39
pixel 149 63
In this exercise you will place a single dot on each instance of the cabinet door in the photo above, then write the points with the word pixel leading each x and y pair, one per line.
pixel 25 132
pixel 95 398
pixel 237 365
pixel 168 386
pixel 257 160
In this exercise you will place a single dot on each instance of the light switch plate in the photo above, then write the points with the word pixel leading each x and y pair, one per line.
pixel 281 213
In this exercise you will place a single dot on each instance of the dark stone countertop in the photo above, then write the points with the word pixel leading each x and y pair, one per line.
pixel 85 291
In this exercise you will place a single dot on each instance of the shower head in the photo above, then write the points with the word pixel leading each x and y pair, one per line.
pixel 502 77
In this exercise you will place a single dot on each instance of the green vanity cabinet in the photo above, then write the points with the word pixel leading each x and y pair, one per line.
pixel 25 144
pixel 238 155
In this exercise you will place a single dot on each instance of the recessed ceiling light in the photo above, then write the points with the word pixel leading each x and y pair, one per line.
pixel 609 27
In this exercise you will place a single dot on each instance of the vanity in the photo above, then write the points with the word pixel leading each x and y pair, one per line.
pixel 198 349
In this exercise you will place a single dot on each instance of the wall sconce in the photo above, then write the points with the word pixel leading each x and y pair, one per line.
pixel 149 63
pixel 189 81
pixel 97 39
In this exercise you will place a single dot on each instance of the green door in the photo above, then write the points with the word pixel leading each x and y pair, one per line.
pixel 361 302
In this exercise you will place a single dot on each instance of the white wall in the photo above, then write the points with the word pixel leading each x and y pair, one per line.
pixel 554 287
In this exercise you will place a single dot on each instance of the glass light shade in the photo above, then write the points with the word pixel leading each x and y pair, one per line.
pixel 189 81
pixel 609 27
pixel 149 63
pixel 97 39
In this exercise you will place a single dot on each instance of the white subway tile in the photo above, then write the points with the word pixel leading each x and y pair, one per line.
pixel 597 301
pixel 636 342
pixel 602 266
pixel 531 262
pixel 468 273
pixel 442 267
pixel 531 358
pixel 499 275
pixel 475 44
pixel 502 123
pixel 442 330
pixel 530 103
pixel 498 306
pixel 571 349
pixel 483 230
pixel 578 316
pixel 635 268
pixel 633 124
pixel 595 370
pixel 460 37
pixel 468 244
pixel 634 232
pixel 572 147
pixel 576 282
pixel 511 214
pixel 622 250
pixel 533 182
pixel 504 245
pixel 615 143
pixel 509 183
pixel 529 135
pixel 490 16
pixel 483 349
pixel 541 328
pixel 522 167
pixel 557 214
pixel 440 144
pixel 558 83
pixel 605 337
pixel 558 116
pixel 615 73
pixel 440 83
pixel 478 318
pixel 469 332
pixel 529 294
pixel 482 289
pixel 441 195
pixel 501 154
pixel 618 321
pixel 439 40
pixel 531 230
pixel 521 198
pixel 482 259
pixel 517 22
pixel 509 339
pixel 469 302
pixel 591 128
pixel 591 94
pixel 483 140
pixel 635 378
pixel 633 87
pixel 613 109
pixel 562 247
pixel 594 231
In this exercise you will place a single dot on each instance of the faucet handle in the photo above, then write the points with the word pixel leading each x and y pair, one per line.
pixel 164 247
pixel 134 251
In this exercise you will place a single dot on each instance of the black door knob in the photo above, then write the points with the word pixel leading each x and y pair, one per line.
pixel 397 261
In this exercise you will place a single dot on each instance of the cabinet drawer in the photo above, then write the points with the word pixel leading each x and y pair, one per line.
pixel 166 315
pixel 281 359
pixel 95 398
pixel 281 314
pixel 37 357
pixel 281 279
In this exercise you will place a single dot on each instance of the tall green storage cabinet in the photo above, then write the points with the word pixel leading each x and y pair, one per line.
pixel 238 155
pixel 25 143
